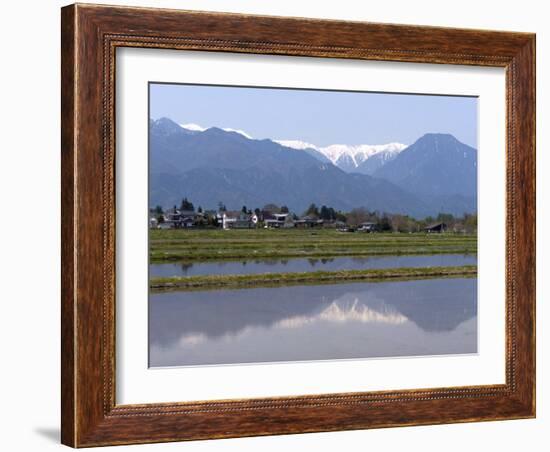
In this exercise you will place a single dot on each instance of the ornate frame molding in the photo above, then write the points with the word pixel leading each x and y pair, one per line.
pixel 90 37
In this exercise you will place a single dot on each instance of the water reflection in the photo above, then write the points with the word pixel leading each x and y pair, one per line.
pixel 246 267
pixel 360 320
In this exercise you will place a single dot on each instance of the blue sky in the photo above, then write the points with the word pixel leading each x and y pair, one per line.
pixel 318 117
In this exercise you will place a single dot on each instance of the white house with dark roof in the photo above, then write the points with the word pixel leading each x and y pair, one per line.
pixel 237 220
pixel 177 219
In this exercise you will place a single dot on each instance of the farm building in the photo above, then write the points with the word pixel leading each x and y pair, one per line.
pixel 436 228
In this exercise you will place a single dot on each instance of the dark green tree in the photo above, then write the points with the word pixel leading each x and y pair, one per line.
pixel 312 211
pixel 186 205
pixel 384 224
pixel 341 216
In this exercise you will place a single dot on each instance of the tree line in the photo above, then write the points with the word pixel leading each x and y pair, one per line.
pixel 384 221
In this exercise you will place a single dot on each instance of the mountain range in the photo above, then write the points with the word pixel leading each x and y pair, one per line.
pixel 435 174
pixel 363 158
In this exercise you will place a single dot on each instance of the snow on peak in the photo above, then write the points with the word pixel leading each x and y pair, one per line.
pixel 355 154
pixel 242 132
pixel 193 127
pixel 359 153
pixel 349 155
pixel 197 128
pixel 296 144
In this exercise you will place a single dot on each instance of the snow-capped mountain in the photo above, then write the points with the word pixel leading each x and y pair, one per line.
pixel 297 144
pixel 193 127
pixel 362 158
pixel 352 158
pixel 240 132
pixel 197 128
pixel 216 165
pixel 435 174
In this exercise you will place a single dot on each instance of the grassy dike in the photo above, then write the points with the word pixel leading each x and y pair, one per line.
pixel 318 277
pixel 204 245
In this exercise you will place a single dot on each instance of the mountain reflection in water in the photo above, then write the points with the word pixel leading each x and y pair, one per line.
pixel 339 321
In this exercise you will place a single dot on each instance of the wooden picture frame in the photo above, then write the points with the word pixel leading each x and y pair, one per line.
pixel 90 36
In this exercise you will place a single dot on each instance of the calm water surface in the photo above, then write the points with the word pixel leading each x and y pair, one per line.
pixel 301 323
pixel 247 267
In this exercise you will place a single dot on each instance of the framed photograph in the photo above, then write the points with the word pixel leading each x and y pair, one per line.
pixel 282 225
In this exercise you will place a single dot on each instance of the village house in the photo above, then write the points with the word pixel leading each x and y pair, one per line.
pixel 237 220
pixel 367 227
pixel 339 226
pixel 279 220
pixel 178 219
pixel 308 222
pixel 289 222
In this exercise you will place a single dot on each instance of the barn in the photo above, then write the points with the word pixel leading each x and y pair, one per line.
pixel 436 228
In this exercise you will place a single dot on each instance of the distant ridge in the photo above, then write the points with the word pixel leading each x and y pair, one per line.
pixel 362 158
pixel 435 174
pixel 436 163
pixel 217 165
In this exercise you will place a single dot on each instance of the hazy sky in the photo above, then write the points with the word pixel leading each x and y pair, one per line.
pixel 318 117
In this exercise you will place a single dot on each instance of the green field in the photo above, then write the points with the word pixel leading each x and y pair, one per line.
pixel 200 245
pixel 216 245
pixel 317 277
